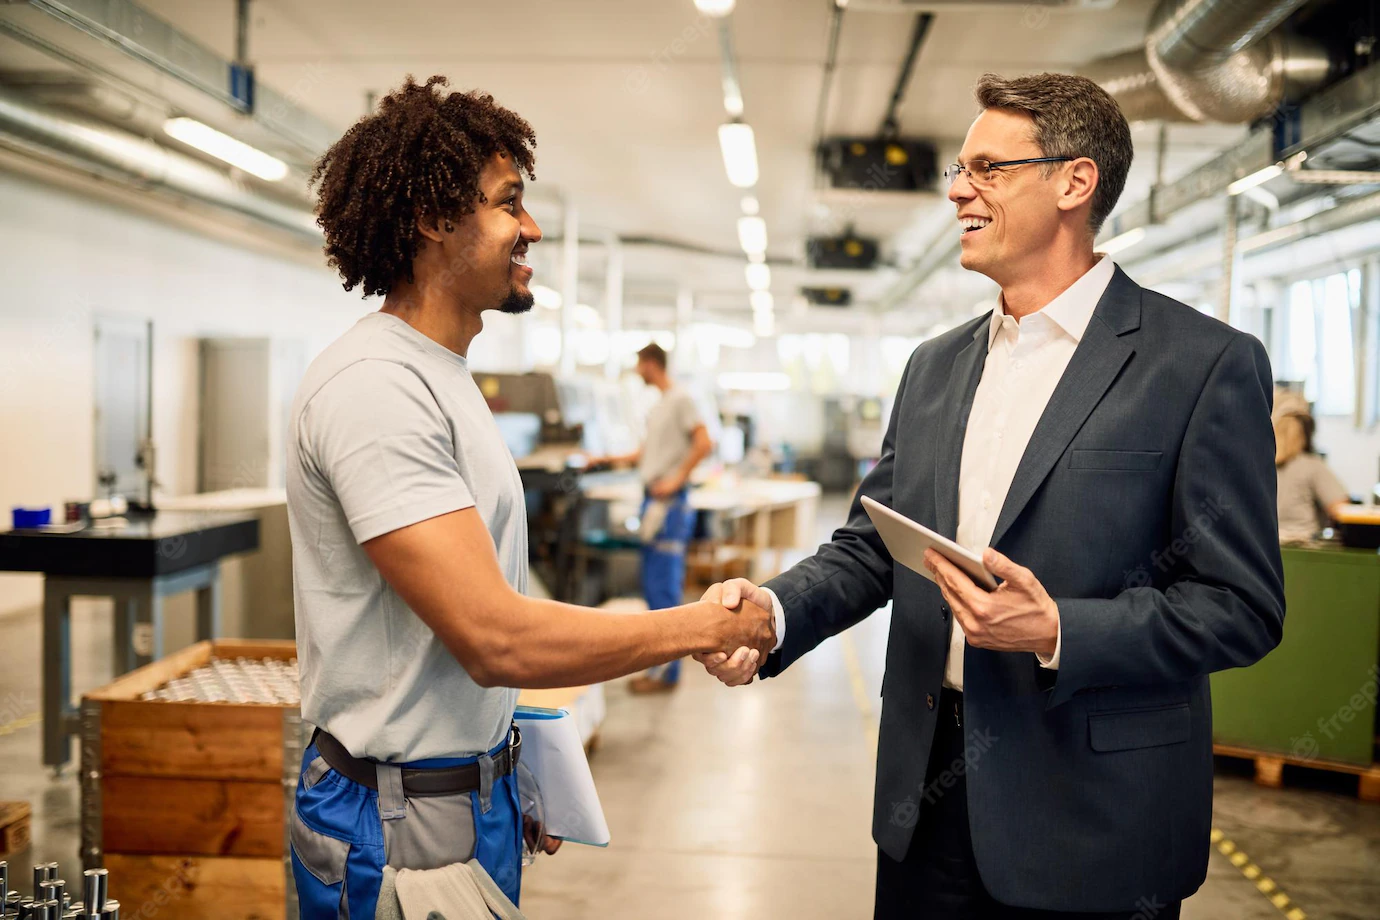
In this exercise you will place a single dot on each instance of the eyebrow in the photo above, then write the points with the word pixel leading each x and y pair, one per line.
pixel 510 186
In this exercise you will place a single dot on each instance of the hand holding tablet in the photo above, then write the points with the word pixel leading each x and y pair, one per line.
pixel 907 541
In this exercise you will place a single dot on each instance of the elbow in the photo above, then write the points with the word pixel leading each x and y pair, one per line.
pixel 490 662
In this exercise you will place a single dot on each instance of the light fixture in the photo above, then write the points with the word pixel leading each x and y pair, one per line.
pixel 715 8
pixel 758 275
pixel 750 205
pixel 752 235
pixel 733 103
pixel 764 381
pixel 763 324
pixel 762 301
pixel 546 297
pixel 757 257
pixel 1118 243
pixel 740 153
pixel 1259 177
pixel 224 147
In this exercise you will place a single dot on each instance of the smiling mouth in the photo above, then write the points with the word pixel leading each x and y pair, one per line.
pixel 969 225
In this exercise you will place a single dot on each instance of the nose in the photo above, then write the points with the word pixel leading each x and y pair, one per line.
pixel 530 231
pixel 961 190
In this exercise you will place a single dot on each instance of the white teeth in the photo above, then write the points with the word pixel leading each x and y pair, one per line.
pixel 519 259
pixel 973 223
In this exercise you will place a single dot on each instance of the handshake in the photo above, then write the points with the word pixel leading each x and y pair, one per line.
pixel 738 667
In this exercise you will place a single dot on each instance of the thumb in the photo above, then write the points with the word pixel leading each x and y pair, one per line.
pixel 1001 566
pixel 733 594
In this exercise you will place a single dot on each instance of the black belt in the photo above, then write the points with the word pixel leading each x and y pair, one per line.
pixel 951 706
pixel 416 782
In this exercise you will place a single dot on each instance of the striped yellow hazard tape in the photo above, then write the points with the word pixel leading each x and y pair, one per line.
pixel 9 728
pixel 1263 883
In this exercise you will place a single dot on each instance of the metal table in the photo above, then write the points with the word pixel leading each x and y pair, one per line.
pixel 137 565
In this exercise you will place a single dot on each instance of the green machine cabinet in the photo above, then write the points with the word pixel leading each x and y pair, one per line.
pixel 1313 698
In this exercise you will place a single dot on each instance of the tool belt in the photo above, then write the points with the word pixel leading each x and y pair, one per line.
pixel 436 781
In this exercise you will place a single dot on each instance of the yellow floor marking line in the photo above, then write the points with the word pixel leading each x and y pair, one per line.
pixel 860 697
pixel 1263 883
pixel 9 728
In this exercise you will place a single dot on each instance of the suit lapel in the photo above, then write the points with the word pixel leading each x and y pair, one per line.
pixel 957 406
pixel 1099 358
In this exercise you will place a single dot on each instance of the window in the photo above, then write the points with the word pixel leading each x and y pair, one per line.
pixel 1319 344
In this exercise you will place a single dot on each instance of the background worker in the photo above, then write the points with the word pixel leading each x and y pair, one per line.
pixel 675 443
pixel 409 530
pixel 1309 492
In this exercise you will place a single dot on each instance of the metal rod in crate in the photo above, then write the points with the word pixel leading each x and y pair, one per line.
pixel 92 856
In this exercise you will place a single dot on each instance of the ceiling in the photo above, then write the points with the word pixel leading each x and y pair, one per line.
pixel 625 98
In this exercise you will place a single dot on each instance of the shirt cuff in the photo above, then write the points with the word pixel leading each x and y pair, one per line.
pixel 780 615
pixel 1052 663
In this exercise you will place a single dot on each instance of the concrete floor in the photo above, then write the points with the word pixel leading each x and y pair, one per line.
pixel 756 802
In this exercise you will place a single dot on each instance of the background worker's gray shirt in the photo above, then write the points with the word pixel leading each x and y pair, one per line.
pixel 389 429
pixel 1307 488
pixel 670 424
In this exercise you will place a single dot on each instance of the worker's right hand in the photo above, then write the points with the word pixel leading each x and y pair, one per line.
pixel 747 631
pixel 740 667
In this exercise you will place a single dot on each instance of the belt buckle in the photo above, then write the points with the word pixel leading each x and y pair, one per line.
pixel 515 748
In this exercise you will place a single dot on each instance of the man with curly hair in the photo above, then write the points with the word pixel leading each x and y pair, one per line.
pixel 408 523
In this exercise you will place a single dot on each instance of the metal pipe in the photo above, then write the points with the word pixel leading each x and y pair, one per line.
pixel 890 126
pixel 1131 81
pixel 826 84
pixel 570 285
pixel 1229 227
pixel 613 305
pixel 242 32
pixel 144 161
pixel 728 69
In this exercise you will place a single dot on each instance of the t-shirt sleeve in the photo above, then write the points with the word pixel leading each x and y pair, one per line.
pixel 1327 488
pixel 688 413
pixel 378 438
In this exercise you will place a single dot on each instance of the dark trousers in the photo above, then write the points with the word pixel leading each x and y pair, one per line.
pixel 939 878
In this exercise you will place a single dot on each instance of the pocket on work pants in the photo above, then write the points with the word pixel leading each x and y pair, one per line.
pixel 337 845
pixel 498 835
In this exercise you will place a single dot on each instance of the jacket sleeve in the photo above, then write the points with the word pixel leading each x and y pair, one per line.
pixel 847 578
pixel 1224 607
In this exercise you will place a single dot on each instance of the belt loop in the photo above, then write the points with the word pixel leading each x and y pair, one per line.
pixel 392 801
pixel 486 783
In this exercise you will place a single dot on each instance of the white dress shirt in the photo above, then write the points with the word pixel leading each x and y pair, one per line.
pixel 1025 360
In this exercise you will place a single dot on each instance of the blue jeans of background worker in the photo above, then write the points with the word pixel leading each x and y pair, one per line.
pixel 340 844
pixel 663 566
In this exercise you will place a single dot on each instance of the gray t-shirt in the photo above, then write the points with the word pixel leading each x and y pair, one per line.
pixel 389 429
pixel 1307 488
pixel 670 423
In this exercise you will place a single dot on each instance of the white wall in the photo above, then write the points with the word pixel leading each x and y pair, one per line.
pixel 1353 454
pixel 65 258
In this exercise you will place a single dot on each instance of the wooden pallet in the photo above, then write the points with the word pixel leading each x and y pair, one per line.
pixel 1269 769
pixel 14 828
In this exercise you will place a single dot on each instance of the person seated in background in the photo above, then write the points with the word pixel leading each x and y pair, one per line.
pixel 1309 492
pixel 675 443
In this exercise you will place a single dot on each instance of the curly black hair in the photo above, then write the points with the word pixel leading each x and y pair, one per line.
pixel 418 157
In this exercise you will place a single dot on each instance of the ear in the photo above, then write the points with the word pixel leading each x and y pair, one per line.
pixel 1080 182
pixel 429 229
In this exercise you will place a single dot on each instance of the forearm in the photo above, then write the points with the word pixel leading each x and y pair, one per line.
pixel 539 643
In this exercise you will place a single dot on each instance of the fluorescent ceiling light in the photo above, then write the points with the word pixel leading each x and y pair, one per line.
pixel 750 205
pixel 550 298
pixel 762 301
pixel 715 8
pixel 587 317
pixel 1118 243
pixel 740 153
pixel 733 103
pixel 752 235
pixel 757 257
pixel 1259 177
pixel 762 381
pixel 764 325
pixel 758 275
pixel 224 147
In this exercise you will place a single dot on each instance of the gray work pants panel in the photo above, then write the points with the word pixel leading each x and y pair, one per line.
pixel 438 831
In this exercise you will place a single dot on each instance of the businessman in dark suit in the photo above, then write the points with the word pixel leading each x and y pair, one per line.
pixel 1046 748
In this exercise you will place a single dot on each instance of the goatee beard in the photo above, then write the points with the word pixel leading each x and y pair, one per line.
pixel 517 302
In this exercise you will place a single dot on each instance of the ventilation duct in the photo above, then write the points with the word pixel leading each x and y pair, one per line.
pixel 1214 60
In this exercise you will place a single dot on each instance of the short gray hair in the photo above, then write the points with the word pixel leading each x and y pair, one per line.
pixel 1074 117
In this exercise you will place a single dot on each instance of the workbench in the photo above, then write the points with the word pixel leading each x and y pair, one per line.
pixel 137 563
pixel 1313 699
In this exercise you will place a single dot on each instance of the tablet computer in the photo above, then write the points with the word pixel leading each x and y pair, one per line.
pixel 907 542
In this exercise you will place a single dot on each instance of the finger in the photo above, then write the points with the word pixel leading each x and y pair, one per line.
pixel 1002 567
pixel 552 845
pixel 961 588
pixel 714 594
pixel 733 664
pixel 746 673
pixel 711 660
pixel 732 594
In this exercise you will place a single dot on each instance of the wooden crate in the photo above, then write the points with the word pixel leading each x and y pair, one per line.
pixel 14 828
pixel 1269 769
pixel 186 803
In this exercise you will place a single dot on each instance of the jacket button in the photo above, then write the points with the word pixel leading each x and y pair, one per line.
pixel 944 611
pixel 929 700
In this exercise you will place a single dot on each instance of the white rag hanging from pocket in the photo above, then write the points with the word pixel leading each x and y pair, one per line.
pixel 461 891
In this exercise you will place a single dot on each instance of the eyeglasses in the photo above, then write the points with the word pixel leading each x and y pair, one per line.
pixel 980 171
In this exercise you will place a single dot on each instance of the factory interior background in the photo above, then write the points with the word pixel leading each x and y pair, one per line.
pixel 755 187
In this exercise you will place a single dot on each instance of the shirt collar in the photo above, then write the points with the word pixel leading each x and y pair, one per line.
pixel 1072 310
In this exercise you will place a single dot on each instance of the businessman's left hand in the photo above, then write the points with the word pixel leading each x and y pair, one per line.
pixel 1019 616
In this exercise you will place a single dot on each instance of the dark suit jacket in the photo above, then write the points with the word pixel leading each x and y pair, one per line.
pixel 1145 504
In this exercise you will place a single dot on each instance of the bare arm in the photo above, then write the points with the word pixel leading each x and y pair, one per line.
pixel 700 447
pixel 447 571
